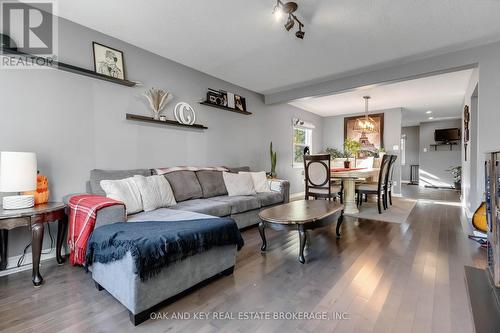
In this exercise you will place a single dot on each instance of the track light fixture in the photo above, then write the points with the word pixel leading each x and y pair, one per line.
pixel 288 8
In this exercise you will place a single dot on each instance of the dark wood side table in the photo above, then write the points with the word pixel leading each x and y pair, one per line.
pixel 33 218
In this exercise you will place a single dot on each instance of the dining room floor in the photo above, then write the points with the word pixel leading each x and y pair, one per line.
pixel 419 192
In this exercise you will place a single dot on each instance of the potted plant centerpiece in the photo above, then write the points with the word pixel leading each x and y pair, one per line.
pixel 351 149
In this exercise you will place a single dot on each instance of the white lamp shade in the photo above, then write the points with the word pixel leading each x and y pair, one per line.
pixel 18 171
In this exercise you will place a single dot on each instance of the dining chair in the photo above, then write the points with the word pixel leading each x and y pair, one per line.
pixel 389 182
pixel 378 189
pixel 317 178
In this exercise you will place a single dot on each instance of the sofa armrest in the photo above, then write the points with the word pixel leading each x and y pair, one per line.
pixel 106 215
pixel 282 186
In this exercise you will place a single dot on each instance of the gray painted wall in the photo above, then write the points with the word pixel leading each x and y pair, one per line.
pixel 333 136
pixel 412 150
pixel 472 186
pixel 433 164
pixel 75 123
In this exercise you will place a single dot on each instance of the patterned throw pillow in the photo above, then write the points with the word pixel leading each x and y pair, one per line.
pixel 155 192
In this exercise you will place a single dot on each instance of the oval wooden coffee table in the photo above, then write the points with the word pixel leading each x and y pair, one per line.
pixel 303 215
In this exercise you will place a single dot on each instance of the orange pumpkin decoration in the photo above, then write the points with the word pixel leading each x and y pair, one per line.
pixel 41 193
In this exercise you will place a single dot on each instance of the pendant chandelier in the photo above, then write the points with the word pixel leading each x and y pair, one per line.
pixel 365 124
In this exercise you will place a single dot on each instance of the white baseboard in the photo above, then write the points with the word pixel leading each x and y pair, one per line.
pixel 28 260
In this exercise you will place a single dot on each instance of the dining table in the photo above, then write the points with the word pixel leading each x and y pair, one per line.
pixel 349 176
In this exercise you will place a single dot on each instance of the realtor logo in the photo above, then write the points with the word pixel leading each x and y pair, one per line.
pixel 30 26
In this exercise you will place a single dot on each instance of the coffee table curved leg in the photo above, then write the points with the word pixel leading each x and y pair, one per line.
pixel 339 224
pixel 262 227
pixel 303 238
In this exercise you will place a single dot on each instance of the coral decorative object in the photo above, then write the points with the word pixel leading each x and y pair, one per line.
pixel 42 190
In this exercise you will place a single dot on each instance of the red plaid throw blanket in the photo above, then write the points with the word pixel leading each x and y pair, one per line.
pixel 82 214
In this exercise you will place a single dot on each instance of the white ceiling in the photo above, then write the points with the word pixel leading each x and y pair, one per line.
pixel 442 94
pixel 239 40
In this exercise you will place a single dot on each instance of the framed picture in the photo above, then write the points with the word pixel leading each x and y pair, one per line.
pixel 466 123
pixel 239 103
pixel 108 61
pixel 369 141
pixel 217 97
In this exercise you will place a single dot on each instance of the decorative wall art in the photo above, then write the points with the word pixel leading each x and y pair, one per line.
pixel 217 97
pixel 157 99
pixel 239 103
pixel 466 129
pixel 108 61
pixel 370 141
pixel 226 99
pixel 184 113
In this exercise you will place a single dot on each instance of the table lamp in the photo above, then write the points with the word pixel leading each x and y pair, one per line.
pixel 18 174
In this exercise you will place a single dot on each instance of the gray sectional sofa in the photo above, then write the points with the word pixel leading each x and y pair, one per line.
pixel 199 194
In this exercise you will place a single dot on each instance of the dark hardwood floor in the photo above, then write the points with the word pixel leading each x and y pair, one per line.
pixel 387 277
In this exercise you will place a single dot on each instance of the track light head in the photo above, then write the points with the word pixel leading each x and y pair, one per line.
pixel 278 13
pixel 300 34
pixel 290 23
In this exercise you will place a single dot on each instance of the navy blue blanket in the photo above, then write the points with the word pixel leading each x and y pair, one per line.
pixel 154 245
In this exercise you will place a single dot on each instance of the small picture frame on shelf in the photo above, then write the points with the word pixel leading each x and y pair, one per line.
pixel 217 97
pixel 163 118
pixel 239 103
pixel 108 61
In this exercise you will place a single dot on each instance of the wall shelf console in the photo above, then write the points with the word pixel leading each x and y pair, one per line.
pixel 137 117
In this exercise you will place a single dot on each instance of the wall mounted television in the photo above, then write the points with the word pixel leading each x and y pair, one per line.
pixel 447 135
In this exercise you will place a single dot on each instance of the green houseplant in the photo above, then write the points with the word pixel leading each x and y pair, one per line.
pixel 274 158
pixel 456 172
pixel 351 149
pixel 334 153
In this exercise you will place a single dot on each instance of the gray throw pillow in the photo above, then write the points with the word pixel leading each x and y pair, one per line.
pixel 97 175
pixel 212 183
pixel 185 185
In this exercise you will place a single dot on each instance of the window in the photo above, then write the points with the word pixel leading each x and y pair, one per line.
pixel 302 137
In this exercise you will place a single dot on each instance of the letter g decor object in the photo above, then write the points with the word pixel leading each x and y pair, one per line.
pixel 184 113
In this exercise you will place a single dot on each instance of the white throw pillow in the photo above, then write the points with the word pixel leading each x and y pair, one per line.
pixel 259 180
pixel 126 191
pixel 155 192
pixel 238 184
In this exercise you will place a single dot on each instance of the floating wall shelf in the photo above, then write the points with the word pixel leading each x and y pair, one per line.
pixel 72 69
pixel 162 122
pixel 451 144
pixel 226 108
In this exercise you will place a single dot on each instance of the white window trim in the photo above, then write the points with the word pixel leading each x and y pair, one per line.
pixel 309 135
pixel 403 149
